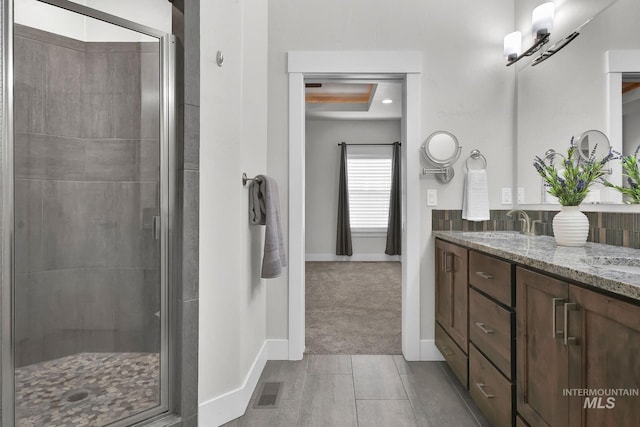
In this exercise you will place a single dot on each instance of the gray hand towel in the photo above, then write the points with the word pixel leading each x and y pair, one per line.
pixel 264 209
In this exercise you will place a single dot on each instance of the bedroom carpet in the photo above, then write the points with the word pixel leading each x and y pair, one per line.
pixel 353 308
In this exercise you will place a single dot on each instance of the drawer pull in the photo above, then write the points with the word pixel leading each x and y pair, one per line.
pixel 556 303
pixel 445 262
pixel 481 387
pixel 447 351
pixel 484 275
pixel 569 306
pixel 483 329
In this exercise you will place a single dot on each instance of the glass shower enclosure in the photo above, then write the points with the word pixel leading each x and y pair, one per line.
pixel 88 119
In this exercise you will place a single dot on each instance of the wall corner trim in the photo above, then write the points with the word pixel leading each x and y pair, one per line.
pixel 231 405
pixel 278 349
pixel 429 352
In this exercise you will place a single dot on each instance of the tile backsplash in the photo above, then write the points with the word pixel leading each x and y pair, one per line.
pixel 612 228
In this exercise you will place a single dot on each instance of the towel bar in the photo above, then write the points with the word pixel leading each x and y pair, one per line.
pixel 245 178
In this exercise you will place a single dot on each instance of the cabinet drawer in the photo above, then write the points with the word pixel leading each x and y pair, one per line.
pixel 456 359
pixel 490 329
pixel 492 276
pixel 490 390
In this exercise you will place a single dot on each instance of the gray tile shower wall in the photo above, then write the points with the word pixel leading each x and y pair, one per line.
pixel 611 228
pixel 3 187
pixel 86 168
pixel 186 28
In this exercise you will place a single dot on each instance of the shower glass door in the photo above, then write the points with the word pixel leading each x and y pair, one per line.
pixel 90 193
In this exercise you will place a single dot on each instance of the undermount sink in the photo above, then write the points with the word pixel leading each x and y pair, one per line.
pixel 494 235
pixel 621 264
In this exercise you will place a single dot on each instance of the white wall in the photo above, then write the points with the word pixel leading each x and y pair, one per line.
pixel 322 176
pixel 466 89
pixel 233 139
pixel 152 13
pixel 49 18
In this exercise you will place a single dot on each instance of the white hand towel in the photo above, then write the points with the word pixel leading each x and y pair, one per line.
pixel 475 198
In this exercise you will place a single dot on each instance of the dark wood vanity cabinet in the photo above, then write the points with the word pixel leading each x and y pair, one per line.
pixel 529 346
pixel 571 338
pixel 491 336
pixel 452 306
pixel 604 355
pixel 542 359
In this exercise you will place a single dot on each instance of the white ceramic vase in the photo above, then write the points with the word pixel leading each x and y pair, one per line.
pixel 570 227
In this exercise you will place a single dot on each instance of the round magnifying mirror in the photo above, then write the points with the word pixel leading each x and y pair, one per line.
pixel 593 140
pixel 442 148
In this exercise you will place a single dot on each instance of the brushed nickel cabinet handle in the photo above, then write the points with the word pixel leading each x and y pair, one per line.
pixel 481 387
pixel 555 304
pixel 569 306
pixel 447 351
pixel 483 329
pixel 445 262
pixel 484 275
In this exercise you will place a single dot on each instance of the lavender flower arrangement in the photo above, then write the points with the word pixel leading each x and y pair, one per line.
pixel 632 173
pixel 572 187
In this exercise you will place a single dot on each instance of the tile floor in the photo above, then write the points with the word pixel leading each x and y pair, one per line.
pixel 362 390
pixel 86 389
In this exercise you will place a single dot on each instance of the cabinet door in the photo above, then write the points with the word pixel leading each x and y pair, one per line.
pixel 452 291
pixel 604 356
pixel 542 358
pixel 444 289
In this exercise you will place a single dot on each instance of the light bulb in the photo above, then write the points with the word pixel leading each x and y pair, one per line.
pixel 542 19
pixel 512 45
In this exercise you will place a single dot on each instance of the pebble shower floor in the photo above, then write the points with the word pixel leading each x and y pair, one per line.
pixel 86 389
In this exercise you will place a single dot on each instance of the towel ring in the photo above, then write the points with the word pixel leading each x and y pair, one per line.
pixel 476 155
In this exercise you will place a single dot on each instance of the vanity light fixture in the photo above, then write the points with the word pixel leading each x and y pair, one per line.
pixel 554 49
pixel 542 19
pixel 541 24
pixel 512 45
pixel 387 101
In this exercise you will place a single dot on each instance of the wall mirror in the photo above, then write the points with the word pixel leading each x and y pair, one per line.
pixel 593 141
pixel 576 90
pixel 441 149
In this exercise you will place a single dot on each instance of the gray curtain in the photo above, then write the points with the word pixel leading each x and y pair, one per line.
pixel 394 226
pixel 343 239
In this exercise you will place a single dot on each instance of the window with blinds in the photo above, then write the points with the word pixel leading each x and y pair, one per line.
pixel 369 180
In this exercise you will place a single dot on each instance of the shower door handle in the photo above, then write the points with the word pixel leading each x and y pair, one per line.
pixel 156 227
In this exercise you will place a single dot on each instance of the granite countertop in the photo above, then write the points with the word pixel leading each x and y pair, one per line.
pixel 600 266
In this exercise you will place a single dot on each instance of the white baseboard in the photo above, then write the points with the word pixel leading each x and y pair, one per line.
pixel 231 405
pixel 429 352
pixel 278 349
pixel 354 257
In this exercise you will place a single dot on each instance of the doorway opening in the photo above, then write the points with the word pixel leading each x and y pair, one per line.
pixel 352 300
pixel 403 67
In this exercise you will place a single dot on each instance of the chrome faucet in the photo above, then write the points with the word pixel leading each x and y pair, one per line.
pixel 528 226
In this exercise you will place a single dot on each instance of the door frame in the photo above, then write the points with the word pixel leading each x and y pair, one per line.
pixel 403 65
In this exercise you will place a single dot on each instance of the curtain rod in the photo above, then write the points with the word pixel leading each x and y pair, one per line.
pixel 390 143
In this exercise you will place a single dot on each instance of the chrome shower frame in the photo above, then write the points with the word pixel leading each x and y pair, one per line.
pixel 167 209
